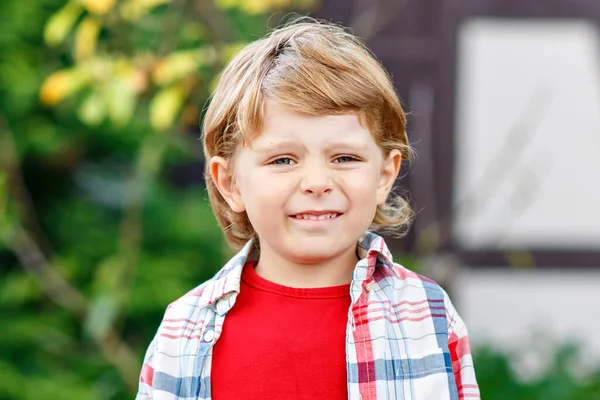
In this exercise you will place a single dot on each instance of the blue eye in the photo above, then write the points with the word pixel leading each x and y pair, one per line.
pixel 283 161
pixel 345 159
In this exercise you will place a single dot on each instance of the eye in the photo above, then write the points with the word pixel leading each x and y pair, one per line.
pixel 345 159
pixel 282 161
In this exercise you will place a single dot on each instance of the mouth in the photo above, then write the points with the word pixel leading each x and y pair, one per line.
pixel 317 215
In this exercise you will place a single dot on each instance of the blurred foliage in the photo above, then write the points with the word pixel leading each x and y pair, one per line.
pixel 103 215
pixel 562 378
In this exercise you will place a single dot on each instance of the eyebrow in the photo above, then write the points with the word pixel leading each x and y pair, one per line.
pixel 276 146
pixel 348 144
pixel 341 144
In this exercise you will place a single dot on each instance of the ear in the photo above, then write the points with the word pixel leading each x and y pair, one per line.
pixel 389 173
pixel 222 176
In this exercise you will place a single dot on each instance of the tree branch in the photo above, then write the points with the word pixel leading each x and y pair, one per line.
pixel 36 264
pixel 9 162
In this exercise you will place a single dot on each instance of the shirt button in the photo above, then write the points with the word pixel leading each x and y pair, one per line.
pixel 369 286
pixel 209 335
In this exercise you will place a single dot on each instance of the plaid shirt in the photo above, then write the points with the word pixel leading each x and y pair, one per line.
pixel 404 338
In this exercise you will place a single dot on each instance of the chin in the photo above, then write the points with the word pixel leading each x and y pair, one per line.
pixel 311 258
pixel 315 253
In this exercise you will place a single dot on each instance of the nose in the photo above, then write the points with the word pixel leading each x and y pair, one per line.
pixel 316 179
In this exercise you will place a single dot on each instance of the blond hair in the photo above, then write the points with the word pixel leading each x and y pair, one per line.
pixel 311 67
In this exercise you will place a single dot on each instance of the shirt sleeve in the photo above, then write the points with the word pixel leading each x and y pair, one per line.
pixel 147 374
pixel 462 361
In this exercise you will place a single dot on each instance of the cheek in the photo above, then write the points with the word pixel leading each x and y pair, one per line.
pixel 362 185
pixel 260 191
pixel 266 203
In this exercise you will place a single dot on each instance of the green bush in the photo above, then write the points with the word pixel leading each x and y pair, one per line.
pixel 559 380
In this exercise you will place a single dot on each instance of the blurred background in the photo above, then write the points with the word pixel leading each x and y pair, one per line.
pixel 104 219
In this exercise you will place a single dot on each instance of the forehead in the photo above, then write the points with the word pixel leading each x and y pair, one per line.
pixel 281 125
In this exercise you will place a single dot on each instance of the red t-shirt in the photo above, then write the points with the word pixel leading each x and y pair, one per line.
pixel 282 343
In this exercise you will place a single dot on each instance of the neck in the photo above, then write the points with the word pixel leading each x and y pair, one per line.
pixel 332 272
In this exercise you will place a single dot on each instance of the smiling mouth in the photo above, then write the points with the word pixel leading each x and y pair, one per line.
pixel 317 217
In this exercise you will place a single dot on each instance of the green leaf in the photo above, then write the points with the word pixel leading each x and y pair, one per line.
pixel 92 110
pixel 12 380
pixel 17 289
pixel 133 10
pixel 107 278
pixel 120 101
pixel 61 23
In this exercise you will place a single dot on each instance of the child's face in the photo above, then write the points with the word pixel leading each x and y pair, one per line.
pixel 309 184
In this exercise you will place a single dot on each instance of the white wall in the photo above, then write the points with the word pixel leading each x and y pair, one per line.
pixel 529 312
pixel 528 134
pixel 528 175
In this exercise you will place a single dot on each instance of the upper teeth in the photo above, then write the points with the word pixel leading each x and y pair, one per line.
pixel 316 217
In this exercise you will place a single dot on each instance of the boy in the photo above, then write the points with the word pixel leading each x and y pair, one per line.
pixel 304 139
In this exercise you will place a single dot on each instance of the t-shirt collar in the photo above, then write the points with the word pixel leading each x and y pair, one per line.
pixel 222 289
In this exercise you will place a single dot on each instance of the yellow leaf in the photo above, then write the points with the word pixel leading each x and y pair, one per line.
pixel 132 10
pixel 180 64
pixel 59 25
pixel 99 7
pixel 86 38
pixel 255 6
pixel 164 107
pixel 60 85
pixel 263 6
